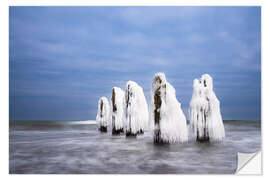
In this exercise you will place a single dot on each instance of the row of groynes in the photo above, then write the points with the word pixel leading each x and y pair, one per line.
pixel 127 112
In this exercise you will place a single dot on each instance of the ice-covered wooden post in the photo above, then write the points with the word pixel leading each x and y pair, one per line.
pixel 198 112
pixel 168 119
pixel 103 114
pixel 205 116
pixel 136 109
pixel 117 110
pixel 159 91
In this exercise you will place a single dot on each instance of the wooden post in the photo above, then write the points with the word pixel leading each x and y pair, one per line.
pixel 114 109
pixel 158 102
pixel 102 128
pixel 128 118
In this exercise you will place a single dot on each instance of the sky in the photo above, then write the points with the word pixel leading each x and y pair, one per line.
pixel 63 59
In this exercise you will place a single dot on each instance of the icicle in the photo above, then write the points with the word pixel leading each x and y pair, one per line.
pixel 136 110
pixel 167 118
pixel 103 114
pixel 198 112
pixel 205 116
pixel 117 110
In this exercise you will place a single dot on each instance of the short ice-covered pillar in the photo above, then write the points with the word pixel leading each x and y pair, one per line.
pixel 117 110
pixel 205 116
pixel 103 114
pixel 168 121
pixel 135 110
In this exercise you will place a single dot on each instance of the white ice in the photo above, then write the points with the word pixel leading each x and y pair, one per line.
pixel 205 115
pixel 136 109
pixel 117 115
pixel 103 114
pixel 173 127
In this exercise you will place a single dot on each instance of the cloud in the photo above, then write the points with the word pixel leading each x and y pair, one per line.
pixel 197 39
pixel 61 55
pixel 149 16
pixel 247 56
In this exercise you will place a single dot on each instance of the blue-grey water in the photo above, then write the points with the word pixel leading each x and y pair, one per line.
pixel 67 147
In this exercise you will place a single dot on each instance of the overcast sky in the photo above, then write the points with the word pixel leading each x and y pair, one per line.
pixel 63 59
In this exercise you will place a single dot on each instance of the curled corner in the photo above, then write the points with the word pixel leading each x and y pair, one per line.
pixel 249 163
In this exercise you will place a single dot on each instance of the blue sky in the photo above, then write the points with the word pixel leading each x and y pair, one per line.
pixel 63 59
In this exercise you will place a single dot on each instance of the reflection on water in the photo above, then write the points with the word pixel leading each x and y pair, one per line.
pixel 67 147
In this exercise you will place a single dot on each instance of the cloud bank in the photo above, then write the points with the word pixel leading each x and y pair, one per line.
pixel 63 59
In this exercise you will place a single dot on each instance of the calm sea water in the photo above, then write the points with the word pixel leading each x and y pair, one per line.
pixel 70 147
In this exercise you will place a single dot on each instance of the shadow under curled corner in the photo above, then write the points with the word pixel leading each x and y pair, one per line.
pixel 249 163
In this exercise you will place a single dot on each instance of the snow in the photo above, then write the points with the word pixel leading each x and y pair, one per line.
pixel 103 115
pixel 136 109
pixel 205 116
pixel 166 109
pixel 117 108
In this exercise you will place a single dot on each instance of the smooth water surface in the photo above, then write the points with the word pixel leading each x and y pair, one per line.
pixel 71 147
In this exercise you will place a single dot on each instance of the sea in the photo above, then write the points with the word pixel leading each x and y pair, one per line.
pixel 77 147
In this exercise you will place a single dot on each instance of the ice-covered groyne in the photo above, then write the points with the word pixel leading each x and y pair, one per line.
pixel 103 114
pixel 135 110
pixel 205 116
pixel 117 110
pixel 168 121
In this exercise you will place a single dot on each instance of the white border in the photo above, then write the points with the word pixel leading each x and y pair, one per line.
pixel 5 78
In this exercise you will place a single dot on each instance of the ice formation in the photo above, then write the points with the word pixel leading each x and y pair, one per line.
pixel 168 121
pixel 136 109
pixel 205 116
pixel 117 110
pixel 103 114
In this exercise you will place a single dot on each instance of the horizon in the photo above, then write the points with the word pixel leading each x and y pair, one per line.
pixel 95 120
pixel 63 59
